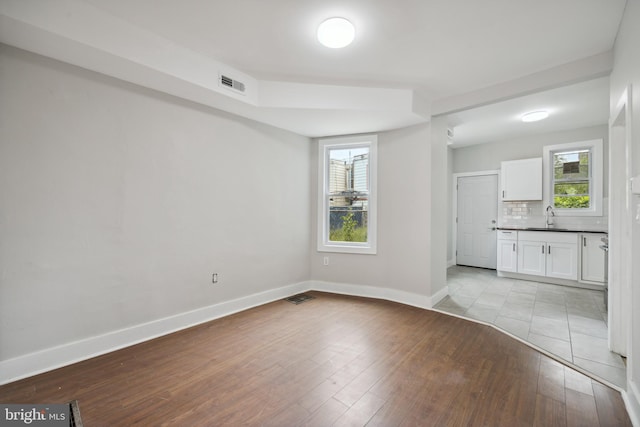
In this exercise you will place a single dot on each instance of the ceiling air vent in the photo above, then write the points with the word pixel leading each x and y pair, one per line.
pixel 232 84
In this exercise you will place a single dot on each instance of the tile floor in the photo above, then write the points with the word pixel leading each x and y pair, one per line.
pixel 567 322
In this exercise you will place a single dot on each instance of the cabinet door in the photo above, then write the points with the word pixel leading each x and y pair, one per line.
pixel 562 261
pixel 522 179
pixel 593 260
pixel 507 255
pixel 531 257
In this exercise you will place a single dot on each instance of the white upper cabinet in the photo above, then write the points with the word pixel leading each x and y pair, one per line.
pixel 522 179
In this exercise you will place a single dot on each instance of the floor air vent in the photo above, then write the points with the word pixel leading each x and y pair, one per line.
pixel 299 299
pixel 74 409
pixel 232 84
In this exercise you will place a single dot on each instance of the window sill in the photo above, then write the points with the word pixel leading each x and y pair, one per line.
pixel 344 249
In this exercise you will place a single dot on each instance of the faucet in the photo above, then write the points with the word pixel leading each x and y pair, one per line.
pixel 547 218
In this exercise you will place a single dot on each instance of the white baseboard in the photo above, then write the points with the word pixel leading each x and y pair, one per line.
pixel 632 401
pixel 439 296
pixel 66 354
pixel 403 297
pixel 451 263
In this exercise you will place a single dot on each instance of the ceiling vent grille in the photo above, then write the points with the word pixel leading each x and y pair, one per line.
pixel 230 83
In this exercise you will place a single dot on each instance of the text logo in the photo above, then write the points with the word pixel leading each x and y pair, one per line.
pixel 40 415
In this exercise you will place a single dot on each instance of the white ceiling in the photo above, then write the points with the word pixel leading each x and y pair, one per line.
pixel 570 107
pixel 420 51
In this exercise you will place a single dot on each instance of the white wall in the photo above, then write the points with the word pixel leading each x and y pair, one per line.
pixel 450 255
pixel 117 204
pixel 401 263
pixel 439 213
pixel 488 156
pixel 627 71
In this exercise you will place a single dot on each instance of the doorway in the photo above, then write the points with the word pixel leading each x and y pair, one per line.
pixel 476 217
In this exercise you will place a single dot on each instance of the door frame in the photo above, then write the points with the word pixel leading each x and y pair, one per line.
pixel 619 313
pixel 454 208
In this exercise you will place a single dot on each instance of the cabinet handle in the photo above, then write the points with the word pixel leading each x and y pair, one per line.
pixel 584 242
pixel 514 247
pixel 549 249
pixel 542 248
pixel 503 194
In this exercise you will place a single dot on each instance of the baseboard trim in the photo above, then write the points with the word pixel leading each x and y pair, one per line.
pixel 451 263
pixel 632 401
pixel 395 295
pixel 439 296
pixel 67 354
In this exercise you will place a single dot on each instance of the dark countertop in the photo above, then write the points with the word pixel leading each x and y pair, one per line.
pixel 557 230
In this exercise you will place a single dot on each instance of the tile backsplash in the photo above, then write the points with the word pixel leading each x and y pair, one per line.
pixel 532 214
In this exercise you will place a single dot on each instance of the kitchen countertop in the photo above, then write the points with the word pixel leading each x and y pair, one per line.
pixel 557 230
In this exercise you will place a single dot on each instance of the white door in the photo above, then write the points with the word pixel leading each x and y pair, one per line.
pixel 477 216
pixel 532 257
pixel 562 261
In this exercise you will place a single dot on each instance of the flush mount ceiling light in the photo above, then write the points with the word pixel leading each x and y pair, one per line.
pixel 534 116
pixel 336 33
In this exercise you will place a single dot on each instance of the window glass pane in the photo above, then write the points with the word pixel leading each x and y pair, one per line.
pixel 571 179
pixel 348 194
pixel 348 223
pixel 349 170
pixel 572 202
pixel 571 165
pixel 572 188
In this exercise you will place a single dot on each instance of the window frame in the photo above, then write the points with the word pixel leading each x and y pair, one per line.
pixel 596 177
pixel 325 145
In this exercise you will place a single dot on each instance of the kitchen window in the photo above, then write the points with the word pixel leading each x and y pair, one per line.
pixel 573 178
pixel 347 194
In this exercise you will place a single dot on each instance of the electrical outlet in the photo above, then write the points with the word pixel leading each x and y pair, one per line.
pixel 214 278
pixel 326 260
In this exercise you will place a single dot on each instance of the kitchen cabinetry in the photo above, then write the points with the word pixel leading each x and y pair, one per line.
pixel 507 251
pixel 532 259
pixel 548 254
pixel 592 269
pixel 521 179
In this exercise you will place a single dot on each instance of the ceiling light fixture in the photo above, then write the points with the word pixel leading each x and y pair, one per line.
pixel 336 33
pixel 534 116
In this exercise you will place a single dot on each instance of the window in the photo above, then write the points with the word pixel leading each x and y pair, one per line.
pixel 347 192
pixel 573 177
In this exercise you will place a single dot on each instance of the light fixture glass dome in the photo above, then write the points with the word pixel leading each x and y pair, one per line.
pixel 336 33
pixel 534 116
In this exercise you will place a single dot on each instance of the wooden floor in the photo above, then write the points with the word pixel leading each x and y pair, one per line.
pixel 333 360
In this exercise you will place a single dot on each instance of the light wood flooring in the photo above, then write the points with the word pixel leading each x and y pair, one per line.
pixel 332 360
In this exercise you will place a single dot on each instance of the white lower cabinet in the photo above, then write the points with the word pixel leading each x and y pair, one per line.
pixel 549 254
pixel 562 260
pixel 532 257
pixel 593 264
pixel 507 251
